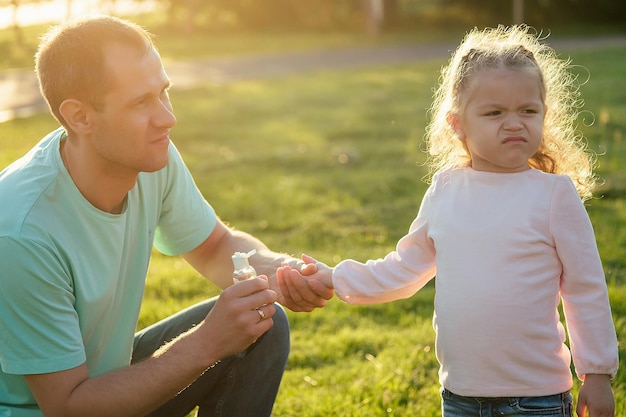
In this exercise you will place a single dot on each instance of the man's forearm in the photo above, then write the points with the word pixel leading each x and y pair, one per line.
pixel 131 391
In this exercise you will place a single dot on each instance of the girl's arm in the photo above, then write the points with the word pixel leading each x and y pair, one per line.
pixel 593 341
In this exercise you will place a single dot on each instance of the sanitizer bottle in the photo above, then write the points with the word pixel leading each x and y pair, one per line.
pixel 243 270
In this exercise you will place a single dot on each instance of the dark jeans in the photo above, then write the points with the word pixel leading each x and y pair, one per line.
pixel 242 385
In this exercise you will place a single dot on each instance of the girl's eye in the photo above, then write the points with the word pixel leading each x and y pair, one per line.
pixel 493 113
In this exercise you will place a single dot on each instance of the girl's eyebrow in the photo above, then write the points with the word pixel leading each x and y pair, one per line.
pixel 529 103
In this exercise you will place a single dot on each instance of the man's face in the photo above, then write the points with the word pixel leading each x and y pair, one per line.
pixel 133 122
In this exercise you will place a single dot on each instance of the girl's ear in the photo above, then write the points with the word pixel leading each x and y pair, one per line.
pixel 77 115
pixel 455 124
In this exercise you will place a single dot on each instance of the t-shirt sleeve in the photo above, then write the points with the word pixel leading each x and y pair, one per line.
pixel 186 218
pixel 39 327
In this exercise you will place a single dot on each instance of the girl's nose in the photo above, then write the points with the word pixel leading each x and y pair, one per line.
pixel 513 122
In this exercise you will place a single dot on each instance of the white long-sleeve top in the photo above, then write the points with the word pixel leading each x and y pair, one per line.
pixel 505 249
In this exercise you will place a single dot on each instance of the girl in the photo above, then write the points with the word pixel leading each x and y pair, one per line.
pixel 504 229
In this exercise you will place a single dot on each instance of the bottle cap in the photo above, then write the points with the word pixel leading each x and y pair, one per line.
pixel 240 259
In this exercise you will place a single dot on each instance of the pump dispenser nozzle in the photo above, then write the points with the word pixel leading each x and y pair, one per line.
pixel 243 269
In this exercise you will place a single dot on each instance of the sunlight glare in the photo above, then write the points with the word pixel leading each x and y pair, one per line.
pixel 53 11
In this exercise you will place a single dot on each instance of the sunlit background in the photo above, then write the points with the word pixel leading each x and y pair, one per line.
pixel 25 13
pixel 373 15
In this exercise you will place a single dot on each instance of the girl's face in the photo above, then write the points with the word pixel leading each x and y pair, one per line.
pixel 501 124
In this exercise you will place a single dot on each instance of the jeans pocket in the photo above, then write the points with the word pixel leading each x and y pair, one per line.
pixel 560 405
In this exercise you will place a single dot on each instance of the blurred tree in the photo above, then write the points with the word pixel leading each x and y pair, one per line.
pixel 182 14
pixel 374 13
pixel 17 31
pixel 68 8
pixel 390 12
pixel 378 15
pixel 544 12
pixel 274 15
pixel 518 11
pixel 575 11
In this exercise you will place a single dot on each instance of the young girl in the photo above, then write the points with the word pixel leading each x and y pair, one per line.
pixel 504 229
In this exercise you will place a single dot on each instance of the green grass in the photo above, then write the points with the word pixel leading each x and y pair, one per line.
pixel 330 164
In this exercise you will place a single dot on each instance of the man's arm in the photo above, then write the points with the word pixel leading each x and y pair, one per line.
pixel 212 258
pixel 231 326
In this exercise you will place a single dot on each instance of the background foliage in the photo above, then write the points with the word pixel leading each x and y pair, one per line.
pixel 280 15
pixel 344 14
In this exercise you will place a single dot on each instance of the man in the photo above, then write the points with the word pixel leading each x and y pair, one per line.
pixel 81 212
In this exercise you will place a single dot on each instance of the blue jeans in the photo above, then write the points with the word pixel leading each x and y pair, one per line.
pixel 242 385
pixel 559 405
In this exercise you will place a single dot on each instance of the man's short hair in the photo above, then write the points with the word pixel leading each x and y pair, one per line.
pixel 70 60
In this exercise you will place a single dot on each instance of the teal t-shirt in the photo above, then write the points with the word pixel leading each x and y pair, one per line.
pixel 71 276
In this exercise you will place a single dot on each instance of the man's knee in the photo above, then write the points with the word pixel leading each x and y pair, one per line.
pixel 281 326
pixel 275 343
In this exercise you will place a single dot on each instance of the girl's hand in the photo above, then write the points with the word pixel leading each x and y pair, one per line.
pixel 318 270
pixel 595 398
pixel 307 289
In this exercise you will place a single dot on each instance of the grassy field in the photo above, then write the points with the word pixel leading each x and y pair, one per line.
pixel 331 164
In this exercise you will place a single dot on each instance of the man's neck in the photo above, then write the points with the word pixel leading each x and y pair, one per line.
pixel 104 189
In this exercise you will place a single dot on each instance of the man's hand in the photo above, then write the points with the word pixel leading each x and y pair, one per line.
pixel 240 316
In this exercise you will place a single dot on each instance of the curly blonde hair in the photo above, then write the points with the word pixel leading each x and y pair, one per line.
pixel 563 149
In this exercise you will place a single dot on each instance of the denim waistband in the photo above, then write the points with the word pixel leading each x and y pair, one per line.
pixel 499 400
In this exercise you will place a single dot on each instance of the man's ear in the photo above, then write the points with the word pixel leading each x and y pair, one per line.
pixel 77 115
pixel 455 124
